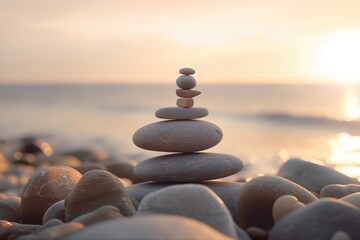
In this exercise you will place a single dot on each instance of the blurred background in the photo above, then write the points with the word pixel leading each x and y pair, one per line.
pixel 279 77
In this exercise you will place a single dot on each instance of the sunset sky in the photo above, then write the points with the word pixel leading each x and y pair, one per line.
pixel 138 41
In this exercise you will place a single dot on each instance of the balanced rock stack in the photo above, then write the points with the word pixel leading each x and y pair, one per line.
pixel 184 135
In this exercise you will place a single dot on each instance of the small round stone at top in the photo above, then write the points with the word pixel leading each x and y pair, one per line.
pixel 186 82
pixel 187 71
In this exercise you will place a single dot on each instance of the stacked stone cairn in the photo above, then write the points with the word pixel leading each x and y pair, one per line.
pixel 183 134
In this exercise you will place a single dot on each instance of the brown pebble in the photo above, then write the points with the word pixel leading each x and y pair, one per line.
pixel 185 102
pixel 8 212
pixel 60 231
pixel 97 188
pixel 187 93
pixel 45 188
pixel 257 233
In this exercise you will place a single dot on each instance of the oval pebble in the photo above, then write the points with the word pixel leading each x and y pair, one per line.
pixel 185 102
pixel 178 136
pixel 187 93
pixel 187 71
pixel 186 82
pixel 284 205
pixel 178 113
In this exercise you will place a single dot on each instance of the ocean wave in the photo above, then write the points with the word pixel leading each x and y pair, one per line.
pixel 301 120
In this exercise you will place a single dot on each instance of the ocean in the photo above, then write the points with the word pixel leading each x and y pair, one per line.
pixel 264 125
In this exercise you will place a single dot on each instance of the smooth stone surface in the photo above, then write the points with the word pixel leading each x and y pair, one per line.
pixel 353 199
pixel 15 230
pixel 8 212
pixel 185 102
pixel 150 227
pixel 124 170
pixel 186 82
pixel 187 71
pixel 55 211
pixel 193 201
pixel 285 205
pixel 312 176
pixel 340 235
pixel 88 166
pixel 103 213
pixel 60 231
pixel 97 188
pixel 187 93
pixel 227 191
pixel 257 197
pixel 338 190
pixel 178 136
pixel 257 233
pixel 318 220
pixel 45 188
pixel 179 113
pixel 188 167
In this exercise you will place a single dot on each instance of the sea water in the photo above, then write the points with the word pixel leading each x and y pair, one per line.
pixel 262 124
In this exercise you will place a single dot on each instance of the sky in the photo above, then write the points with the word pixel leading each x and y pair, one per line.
pixel 138 41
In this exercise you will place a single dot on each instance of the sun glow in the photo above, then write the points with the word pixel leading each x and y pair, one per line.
pixel 337 56
pixel 351 106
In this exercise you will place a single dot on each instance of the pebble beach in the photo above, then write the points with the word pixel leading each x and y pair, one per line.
pixel 187 188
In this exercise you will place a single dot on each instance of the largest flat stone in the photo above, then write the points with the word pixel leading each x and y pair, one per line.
pixel 180 113
pixel 191 167
pixel 178 136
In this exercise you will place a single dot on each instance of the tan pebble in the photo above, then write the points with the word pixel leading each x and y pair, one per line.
pixel 187 93
pixel 185 102
pixel 353 199
pixel 187 71
pixel 257 233
pixel 103 213
pixel 186 82
pixel 340 235
pixel 284 205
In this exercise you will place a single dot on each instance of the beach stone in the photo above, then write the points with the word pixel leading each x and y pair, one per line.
pixel 188 167
pixel 178 136
pixel 340 235
pixel 318 220
pixel 4 163
pixel 179 113
pixel 187 71
pixel 51 223
pixel 60 231
pixel 88 154
pixel 149 226
pixel 45 188
pixel 257 197
pixel 88 166
pixel 353 199
pixel 57 160
pixel 97 188
pixel 124 170
pixel 9 213
pixel 186 82
pixel 55 211
pixel 190 200
pixel 103 213
pixel 338 190
pixel 10 230
pixel 227 191
pixel 187 93
pixel 185 102
pixel 257 233
pixel 312 176
pixel 284 205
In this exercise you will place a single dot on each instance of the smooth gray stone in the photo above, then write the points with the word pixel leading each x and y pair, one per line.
pixel 256 199
pixel 193 201
pixel 178 136
pixel 318 220
pixel 188 167
pixel 227 191
pixel 186 82
pixel 55 211
pixel 187 71
pixel 149 227
pixel 103 213
pixel 339 191
pixel 179 113
pixel 312 176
